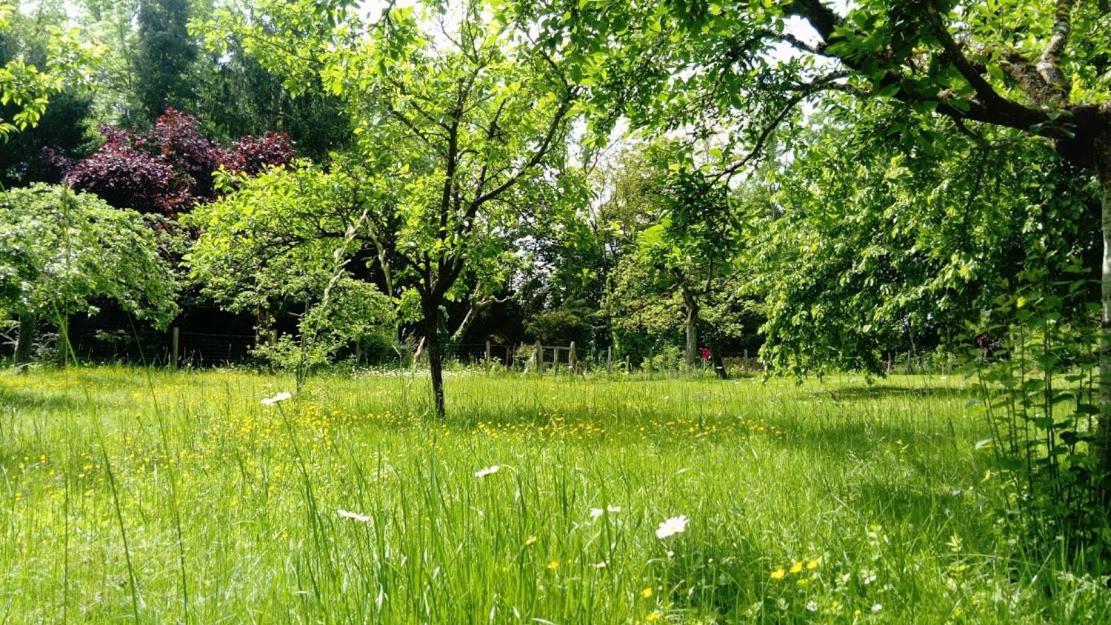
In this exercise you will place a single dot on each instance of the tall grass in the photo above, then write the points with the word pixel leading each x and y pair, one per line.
pixel 820 502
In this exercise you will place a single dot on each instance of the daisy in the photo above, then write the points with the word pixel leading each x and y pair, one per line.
pixel 672 526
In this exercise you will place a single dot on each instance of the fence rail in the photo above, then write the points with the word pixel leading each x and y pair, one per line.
pixel 185 348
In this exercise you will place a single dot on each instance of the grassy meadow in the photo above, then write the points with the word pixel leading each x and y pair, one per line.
pixel 178 497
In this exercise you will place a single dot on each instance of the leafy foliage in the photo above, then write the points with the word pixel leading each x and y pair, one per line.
pixel 60 249
pixel 169 168
pixel 868 248
pixel 164 57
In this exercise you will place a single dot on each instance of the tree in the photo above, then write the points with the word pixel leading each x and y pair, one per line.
pixel 1037 69
pixel 60 249
pixel 37 153
pixel 686 257
pixel 470 118
pixel 43 59
pixel 863 244
pixel 170 167
pixel 165 57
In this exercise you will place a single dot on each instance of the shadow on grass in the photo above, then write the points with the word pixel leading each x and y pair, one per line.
pixel 888 391
pixel 54 401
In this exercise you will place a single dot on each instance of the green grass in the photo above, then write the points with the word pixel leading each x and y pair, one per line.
pixel 174 497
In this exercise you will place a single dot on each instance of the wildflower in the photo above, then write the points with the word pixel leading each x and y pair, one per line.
pixel 597 512
pixel 354 516
pixel 647 592
pixel 531 540
pixel 672 526
pixel 811 606
pixel 796 568
pixel 876 607
pixel 652 616
pixel 600 565
pixel 813 564
pixel 553 565
pixel 490 470
pixel 280 397
pixel 779 573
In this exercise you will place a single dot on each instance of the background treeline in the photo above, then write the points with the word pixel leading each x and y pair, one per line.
pixel 849 246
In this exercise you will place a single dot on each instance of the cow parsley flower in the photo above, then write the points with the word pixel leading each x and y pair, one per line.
pixel 354 516
pixel 490 470
pixel 597 512
pixel 274 399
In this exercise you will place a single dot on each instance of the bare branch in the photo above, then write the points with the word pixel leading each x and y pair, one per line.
pixel 821 84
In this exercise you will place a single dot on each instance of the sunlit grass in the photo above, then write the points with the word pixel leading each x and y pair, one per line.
pixel 821 502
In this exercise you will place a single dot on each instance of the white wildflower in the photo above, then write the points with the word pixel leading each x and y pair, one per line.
pixel 490 470
pixel 597 512
pixel 354 516
pixel 811 606
pixel 876 607
pixel 672 526
pixel 280 397
pixel 600 565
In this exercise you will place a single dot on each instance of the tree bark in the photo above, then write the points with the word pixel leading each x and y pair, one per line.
pixel 692 356
pixel 63 340
pixel 435 355
pixel 1103 430
pixel 25 339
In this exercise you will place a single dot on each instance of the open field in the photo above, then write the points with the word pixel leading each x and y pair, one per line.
pixel 171 497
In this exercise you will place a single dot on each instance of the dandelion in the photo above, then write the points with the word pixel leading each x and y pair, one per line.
pixel 553 565
pixel 779 573
pixel 672 526
pixel 647 592
pixel 354 516
pixel 490 470
pixel 274 399
pixel 796 568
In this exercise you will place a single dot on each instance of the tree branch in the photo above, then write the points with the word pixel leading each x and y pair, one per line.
pixel 1049 65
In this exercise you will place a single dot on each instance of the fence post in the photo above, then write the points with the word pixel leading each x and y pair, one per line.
pixel 487 351
pixel 175 340
pixel 609 359
pixel 571 357
pixel 538 353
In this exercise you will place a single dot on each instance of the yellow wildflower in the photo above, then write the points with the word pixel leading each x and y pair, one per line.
pixel 813 564
pixel 779 573
pixel 647 592
pixel 531 540
pixel 553 565
pixel 796 568
pixel 653 616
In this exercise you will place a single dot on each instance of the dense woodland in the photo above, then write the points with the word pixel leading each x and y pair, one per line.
pixel 827 186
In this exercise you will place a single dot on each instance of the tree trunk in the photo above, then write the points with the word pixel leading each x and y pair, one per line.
pixel 435 356
pixel 1103 432
pixel 692 355
pixel 25 339
pixel 63 340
